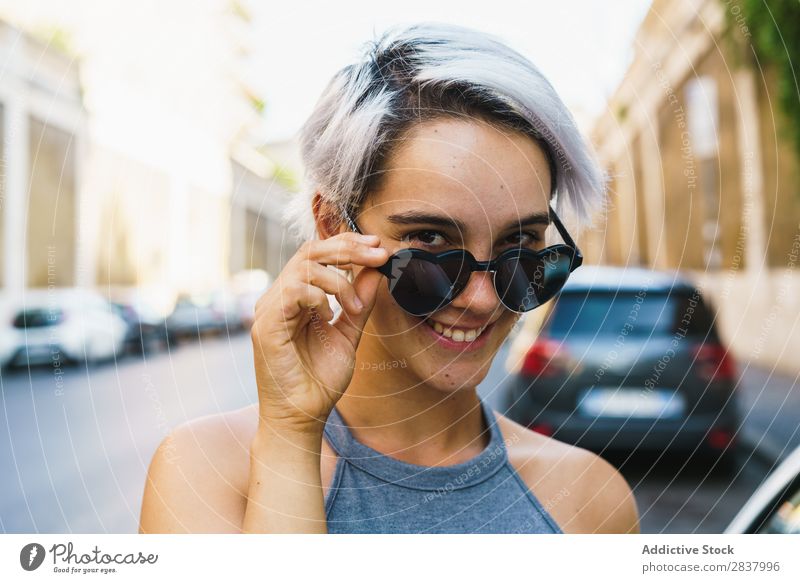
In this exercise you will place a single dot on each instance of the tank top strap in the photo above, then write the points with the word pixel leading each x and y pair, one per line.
pixel 462 475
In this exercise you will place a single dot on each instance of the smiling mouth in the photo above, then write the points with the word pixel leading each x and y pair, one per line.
pixel 457 334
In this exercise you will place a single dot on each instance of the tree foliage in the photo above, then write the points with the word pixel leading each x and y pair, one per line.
pixel 773 28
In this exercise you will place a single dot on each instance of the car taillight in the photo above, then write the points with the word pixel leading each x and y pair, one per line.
pixel 719 438
pixel 544 358
pixel 714 363
pixel 543 428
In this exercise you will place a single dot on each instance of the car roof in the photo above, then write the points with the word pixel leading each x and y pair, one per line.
pixel 634 279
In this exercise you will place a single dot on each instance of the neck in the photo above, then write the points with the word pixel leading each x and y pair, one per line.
pixel 397 414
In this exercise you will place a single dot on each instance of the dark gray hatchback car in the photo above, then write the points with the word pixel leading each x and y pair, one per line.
pixel 628 359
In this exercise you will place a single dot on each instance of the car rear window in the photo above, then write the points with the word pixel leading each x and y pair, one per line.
pixel 632 313
pixel 38 318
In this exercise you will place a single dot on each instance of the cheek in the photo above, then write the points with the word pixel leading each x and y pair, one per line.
pixel 400 333
pixel 505 325
pixel 389 319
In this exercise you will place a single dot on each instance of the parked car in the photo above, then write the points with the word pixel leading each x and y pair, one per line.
pixel 195 315
pixel 229 309
pixel 774 508
pixel 147 328
pixel 628 359
pixel 225 305
pixel 62 325
pixel 8 337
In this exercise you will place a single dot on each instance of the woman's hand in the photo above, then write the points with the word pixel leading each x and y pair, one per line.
pixel 303 361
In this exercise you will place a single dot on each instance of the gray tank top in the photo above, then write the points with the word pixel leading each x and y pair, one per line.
pixel 374 493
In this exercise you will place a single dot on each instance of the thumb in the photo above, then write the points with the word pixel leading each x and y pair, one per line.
pixel 366 287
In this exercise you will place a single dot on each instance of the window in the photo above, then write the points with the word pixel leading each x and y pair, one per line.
pixel 702 106
pixel 605 313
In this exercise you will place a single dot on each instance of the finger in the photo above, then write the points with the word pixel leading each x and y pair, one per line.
pixel 333 283
pixel 348 249
pixel 298 304
pixel 298 297
pixel 366 287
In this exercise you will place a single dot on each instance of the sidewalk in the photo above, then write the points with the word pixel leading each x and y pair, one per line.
pixel 770 408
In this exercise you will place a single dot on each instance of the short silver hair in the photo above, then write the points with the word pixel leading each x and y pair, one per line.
pixel 426 71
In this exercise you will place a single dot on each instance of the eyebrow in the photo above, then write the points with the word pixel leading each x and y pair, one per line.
pixel 421 218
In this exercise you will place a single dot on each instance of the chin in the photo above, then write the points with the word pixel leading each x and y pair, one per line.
pixel 454 377
pixel 451 358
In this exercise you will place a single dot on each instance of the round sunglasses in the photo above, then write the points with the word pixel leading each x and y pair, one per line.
pixel 422 282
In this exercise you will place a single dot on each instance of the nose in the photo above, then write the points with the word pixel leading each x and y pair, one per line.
pixel 479 297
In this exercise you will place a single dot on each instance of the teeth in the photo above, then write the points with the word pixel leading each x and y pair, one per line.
pixel 456 334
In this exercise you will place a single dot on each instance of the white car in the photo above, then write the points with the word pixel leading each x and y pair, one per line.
pixel 60 325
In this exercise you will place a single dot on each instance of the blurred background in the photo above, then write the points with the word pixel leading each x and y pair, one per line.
pixel 148 151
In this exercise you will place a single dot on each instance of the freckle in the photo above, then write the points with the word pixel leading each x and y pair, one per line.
pixel 501 186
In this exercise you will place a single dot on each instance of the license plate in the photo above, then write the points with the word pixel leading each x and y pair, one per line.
pixel 628 402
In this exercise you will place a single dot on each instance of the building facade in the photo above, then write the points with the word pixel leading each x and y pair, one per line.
pixel 703 177
pixel 109 185
pixel 258 239
pixel 43 127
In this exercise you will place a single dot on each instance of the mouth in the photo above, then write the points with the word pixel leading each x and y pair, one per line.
pixel 458 337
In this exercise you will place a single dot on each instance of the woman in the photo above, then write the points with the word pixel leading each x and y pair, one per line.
pixel 446 141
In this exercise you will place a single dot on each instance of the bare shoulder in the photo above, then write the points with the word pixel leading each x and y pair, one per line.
pixel 198 478
pixel 581 491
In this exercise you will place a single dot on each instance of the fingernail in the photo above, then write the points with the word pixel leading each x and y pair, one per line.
pixel 375 251
pixel 369 238
pixel 357 302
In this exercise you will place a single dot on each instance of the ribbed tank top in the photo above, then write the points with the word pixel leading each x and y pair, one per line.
pixel 374 493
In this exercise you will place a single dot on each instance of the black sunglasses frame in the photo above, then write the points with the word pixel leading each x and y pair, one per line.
pixel 569 249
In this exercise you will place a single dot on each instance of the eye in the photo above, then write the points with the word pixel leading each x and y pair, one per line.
pixel 427 238
pixel 523 239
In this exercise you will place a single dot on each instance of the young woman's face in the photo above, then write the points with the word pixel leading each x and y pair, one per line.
pixel 454 184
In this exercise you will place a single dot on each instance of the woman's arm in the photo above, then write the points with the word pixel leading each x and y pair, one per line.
pixel 285 487
pixel 304 361
pixel 612 509
pixel 603 502
pixel 197 479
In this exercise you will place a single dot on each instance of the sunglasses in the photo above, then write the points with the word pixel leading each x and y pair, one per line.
pixel 422 283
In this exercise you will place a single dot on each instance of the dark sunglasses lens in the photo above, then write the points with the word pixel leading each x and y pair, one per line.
pixel 421 287
pixel 526 282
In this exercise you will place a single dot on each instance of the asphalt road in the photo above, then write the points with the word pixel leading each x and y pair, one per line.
pixel 75 446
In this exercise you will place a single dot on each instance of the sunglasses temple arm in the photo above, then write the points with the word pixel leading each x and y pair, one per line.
pixel 567 238
pixel 386 268
pixel 351 223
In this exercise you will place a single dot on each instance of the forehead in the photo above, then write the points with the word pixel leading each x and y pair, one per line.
pixel 465 168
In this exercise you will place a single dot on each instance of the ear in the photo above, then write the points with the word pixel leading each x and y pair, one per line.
pixel 326 217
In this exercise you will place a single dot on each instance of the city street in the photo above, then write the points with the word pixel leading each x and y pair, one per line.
pixel 76 446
